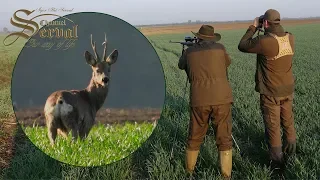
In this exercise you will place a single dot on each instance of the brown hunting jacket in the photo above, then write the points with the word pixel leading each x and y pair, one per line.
pixel 274 76
pixel 206 65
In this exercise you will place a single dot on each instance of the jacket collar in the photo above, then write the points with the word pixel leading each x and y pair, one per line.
pixel 276 29
pixel 206 42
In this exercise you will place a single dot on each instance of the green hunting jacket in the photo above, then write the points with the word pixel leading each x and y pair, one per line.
pixel 273 77
pixel 206 65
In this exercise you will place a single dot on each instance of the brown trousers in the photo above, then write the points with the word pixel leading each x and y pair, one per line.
pixel 277 112
pixel 199 123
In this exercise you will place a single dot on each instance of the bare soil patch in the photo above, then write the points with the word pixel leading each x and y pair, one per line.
pixel 218 27
pixel 7 135
pixel 35 116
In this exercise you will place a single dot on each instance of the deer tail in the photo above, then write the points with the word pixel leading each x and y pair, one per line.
pixel 58 108
pixel 63 107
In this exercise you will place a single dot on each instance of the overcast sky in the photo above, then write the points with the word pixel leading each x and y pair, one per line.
pixel 139 12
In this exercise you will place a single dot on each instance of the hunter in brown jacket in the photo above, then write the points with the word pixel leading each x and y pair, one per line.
pixel 275 82
pixel 206 64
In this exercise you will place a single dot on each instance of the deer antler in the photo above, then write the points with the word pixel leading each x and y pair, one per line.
pixel 93 44
pixel 105 43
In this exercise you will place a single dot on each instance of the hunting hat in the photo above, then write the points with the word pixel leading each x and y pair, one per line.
pixel 272 16
pixel 206 32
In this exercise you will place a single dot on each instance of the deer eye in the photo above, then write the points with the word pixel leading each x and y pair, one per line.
pixel 98 71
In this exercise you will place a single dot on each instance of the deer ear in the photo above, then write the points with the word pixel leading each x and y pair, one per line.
pixel 89 58
pixel 112 58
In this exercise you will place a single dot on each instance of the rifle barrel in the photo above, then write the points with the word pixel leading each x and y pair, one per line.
pixel 175 42
pixel 182 43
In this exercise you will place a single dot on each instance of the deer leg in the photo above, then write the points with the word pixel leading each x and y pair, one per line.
pixel 85 129
pixel 69 124
pixel 83 134
pixel 51 128
pixel 52 133
pixel 62 130
pixel 75 133
pixel 62 133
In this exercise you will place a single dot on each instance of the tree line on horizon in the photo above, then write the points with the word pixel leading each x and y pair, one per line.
pixel 7 31
pixel 216 22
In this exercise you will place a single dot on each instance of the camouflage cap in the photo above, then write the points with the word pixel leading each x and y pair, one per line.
pixel 272 16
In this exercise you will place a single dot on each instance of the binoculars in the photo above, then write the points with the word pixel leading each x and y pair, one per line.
pixel 261 18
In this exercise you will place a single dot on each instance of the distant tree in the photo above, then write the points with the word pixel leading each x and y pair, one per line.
pixel 5 30
pixel 189 21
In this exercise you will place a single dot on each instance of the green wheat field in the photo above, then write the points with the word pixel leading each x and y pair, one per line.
pixel 104 145
pixel 162 155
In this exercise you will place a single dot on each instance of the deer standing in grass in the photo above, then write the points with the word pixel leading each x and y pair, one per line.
pixel 75 110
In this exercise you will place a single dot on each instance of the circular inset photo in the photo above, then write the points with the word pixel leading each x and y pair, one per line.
pixel 88 89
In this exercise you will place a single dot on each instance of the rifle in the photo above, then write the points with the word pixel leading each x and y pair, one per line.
pixel 188 41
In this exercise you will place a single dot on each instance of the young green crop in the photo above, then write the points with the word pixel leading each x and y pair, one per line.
pixel 104 145
pixel 154 159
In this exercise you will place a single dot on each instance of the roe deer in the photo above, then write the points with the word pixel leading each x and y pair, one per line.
pixel 75 110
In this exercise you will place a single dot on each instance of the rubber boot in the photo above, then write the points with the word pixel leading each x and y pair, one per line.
pixel 277 164
pixel 225 158
pixel 290 148
pixel 191 160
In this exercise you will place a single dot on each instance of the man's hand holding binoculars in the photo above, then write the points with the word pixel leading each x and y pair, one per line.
pixel 256 22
